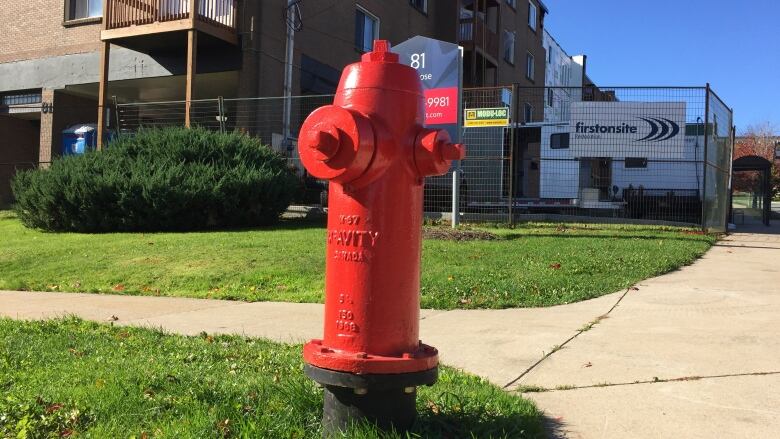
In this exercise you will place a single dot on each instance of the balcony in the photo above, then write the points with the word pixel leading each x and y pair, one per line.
pixel 126 19
pixel 157 26
pixel 474 34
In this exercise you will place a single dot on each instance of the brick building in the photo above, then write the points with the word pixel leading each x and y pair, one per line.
pixel 55 54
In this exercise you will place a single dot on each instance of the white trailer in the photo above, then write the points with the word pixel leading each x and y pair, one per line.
pixel 608 148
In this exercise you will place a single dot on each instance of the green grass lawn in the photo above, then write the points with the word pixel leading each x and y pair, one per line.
pixel 70 378
pixel 534 264
pixel 742 200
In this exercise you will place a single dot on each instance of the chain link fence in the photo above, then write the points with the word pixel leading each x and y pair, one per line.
pixel 607 154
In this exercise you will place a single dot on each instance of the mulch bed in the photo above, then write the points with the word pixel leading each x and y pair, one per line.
pixel 458 234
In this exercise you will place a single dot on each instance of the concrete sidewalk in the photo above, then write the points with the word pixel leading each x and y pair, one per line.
pixel 695 353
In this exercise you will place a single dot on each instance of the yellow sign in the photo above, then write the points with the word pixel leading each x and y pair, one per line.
pixel 486 117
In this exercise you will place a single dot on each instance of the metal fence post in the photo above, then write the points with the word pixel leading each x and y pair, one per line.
pixel 221 109
pixel 455 197
pixel 732 140
pixel 515 102
pixel 116 112
pixel 704 161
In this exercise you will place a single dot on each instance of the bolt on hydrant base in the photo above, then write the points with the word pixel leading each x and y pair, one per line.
pixel 372 148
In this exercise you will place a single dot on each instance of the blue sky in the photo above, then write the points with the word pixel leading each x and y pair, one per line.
pixel 734 45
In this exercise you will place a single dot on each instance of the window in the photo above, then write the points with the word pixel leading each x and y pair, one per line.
pixel 528 112
pixel 636 162
pixel 23 98
pixel 318 78
pixel 587 93
pixel 512 3
pixel 549 55
pixel 550 97
pixel 420 5
pixel 529 66
pixel 777 150
pixel 559 141
pixel 509 47
pixel 366 30
pixel 80 9
pixel 532 15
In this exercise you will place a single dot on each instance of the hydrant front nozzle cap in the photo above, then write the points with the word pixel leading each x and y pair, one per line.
pixel 336 143
pixel 326 143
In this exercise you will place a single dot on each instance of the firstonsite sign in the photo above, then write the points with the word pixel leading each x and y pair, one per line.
pixel 628 129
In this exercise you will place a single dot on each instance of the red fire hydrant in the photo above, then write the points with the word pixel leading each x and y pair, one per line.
pixel 371 146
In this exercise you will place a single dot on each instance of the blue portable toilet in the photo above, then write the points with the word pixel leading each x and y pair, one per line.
pixel 78 139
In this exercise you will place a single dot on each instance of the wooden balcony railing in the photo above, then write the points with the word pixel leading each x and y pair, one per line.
pixel 479 36
pixel 125 13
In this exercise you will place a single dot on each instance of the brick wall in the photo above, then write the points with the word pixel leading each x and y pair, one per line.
pixel 34 29
pixel 328 36
pixel 18 150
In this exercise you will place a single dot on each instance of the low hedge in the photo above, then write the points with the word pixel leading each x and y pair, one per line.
pixel 159 180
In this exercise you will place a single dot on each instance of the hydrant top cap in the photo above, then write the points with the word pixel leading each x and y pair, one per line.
pixel 381 53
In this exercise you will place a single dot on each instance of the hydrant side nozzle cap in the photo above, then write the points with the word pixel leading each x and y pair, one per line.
pixel 380 53
pixel 434 152
pixel 453 151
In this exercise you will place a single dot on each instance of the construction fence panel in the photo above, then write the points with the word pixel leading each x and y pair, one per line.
pixel 132 117
pixel 264 118
pixel 485 173
pixel 615 154
pixel 718 163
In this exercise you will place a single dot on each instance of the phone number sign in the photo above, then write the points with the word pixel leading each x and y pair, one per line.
pixel 439 65
pixel 441 106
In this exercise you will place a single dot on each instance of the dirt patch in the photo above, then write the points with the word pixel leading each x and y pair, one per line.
pixel 458 234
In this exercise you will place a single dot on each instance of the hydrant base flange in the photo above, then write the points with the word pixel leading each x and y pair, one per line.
pixel 316 354
pixel 385 400
pixel 371 381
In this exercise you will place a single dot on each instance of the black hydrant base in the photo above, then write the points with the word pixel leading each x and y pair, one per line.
pixel 386 400
pixel 387 409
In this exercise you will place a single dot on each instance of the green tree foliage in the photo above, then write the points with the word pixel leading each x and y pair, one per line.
pixel 159 179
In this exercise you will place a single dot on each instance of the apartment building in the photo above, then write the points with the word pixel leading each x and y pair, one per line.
pixel 541 103
pixel 564 76
pixel 502 41
pixel 60 60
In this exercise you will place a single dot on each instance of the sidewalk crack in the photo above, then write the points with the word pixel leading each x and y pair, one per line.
pixel 557 348
pixel 655 380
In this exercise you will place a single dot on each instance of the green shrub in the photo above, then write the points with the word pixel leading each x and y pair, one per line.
pixel 160 179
